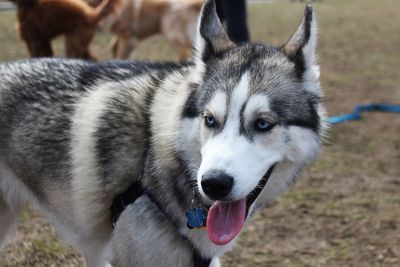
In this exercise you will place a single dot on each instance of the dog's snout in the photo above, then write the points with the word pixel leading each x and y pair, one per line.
pixel 217 184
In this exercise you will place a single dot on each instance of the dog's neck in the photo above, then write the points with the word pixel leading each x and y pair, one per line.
pixel 137 190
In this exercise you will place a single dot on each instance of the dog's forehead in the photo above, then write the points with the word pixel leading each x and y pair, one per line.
pixel 266 65
pixel 269 71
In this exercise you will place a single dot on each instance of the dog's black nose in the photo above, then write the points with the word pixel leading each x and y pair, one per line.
pixel 217 184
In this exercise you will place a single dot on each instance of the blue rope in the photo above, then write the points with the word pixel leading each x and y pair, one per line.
pixel 356 114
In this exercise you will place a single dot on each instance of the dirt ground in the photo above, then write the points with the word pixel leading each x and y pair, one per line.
pixel 345 209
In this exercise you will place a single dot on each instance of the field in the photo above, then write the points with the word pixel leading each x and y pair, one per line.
pixel 345 209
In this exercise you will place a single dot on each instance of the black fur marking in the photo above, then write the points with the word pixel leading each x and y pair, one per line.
pixel 312 120
pixel 122 122
pixel 304 117
pixel 299 59
pixel 123 70
pixel 314 117
pixel 302 123
pixel 308 16
pixel 242 129
pixel 190 109
pixel 299 63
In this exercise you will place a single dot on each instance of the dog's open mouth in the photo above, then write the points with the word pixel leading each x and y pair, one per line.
pixel 226 219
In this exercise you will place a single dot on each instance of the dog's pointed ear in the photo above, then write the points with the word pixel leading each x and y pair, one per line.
pixel 302 45
pixel 211 36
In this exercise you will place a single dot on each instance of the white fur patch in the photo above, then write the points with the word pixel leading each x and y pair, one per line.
pixel 256 104
pixel 312 73
pixel 86 186
pixel 239 97
pixel 304 144
pixel 218 105
pixel 301 150
pixel 215 262
pixel 310 47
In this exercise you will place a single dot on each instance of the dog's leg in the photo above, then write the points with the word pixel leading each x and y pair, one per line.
pixel 93 259
pixel 97 253
pixel 8 220
pixel 77 43
pixel 125 46
pixel 215 262
pixel 93 262
pixel 114 43
pixel 39 48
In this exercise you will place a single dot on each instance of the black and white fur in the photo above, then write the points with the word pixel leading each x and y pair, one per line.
pixel 75 134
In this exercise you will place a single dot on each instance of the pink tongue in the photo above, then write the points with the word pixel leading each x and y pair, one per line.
pixel 225 220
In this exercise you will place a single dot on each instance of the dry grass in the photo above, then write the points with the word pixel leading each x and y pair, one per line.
pixel 345 210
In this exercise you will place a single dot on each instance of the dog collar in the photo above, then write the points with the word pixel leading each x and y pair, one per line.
pixel 128 197
pixel 123 200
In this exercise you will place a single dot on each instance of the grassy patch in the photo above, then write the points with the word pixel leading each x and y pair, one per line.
pixel 51 247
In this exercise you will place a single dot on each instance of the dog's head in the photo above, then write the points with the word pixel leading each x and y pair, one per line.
pixel 259 119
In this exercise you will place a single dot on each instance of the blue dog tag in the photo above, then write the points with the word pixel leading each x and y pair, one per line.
pixel 196 218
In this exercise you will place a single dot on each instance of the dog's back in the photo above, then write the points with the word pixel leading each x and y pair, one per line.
pixel 51 113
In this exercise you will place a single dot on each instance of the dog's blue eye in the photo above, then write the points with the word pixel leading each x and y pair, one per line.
pixel 210 121
pixel 262 125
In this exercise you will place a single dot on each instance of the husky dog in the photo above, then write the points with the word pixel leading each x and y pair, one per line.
pixel 224 133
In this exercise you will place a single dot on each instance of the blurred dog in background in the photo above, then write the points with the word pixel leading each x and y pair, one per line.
pixel 139 19
pixel 40 21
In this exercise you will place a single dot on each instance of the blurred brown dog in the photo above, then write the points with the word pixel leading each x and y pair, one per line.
pixel 139 19
pixel 39 21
